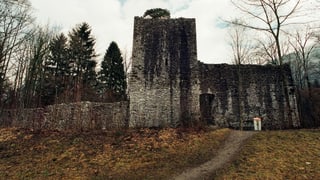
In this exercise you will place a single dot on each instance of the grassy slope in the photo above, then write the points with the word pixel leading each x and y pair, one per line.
pixel 277 155
pixel 133 154
pixel 152 154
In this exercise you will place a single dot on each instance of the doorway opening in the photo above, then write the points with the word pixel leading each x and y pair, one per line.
pixel 206 105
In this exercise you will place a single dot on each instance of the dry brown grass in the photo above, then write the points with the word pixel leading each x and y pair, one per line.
pixel 132 154
pixel 277 155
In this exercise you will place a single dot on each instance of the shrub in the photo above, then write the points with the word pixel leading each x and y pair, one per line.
pixel 157 13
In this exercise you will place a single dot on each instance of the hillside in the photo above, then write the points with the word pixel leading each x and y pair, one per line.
pixel 290 154
pixel 131 154
pixel 157 154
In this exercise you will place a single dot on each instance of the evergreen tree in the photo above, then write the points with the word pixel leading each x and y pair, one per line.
pixel 112 77
pixel 57 70
pixel 81 56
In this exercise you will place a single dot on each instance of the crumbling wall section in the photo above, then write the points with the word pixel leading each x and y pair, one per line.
pixel 261 94
pixel 73 116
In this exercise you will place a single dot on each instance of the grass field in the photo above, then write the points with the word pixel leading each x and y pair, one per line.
pixel 131 154
pixel 293 154
pixel 154 154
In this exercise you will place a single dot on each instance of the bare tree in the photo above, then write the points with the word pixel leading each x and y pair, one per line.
pixel 15 23
pixel 127 63
pixel 271 17
pixel 265 51
pixel 240 43
pixel 34 77
pixel 303 44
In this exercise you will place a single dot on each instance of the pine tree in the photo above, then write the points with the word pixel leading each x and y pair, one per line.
pixel 112 78
pixel 81 56
pixel 56 75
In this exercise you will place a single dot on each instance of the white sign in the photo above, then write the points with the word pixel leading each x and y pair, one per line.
pixel 257 123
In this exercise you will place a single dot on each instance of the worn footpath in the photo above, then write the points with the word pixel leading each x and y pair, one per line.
pixel 224 155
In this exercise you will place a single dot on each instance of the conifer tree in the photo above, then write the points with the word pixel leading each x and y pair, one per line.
pixel 81 59
pixel 57 70
pixel 112 77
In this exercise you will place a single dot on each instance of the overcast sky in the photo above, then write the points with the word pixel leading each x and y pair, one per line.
pixel 112 20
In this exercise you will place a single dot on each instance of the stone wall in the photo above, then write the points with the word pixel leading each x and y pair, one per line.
pixel 169 87
pixel 74 116
pixel 258 93
pixel 160 85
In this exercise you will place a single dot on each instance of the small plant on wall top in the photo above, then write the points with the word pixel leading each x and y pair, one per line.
pixel 157 13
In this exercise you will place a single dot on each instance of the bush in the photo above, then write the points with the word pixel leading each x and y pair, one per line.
pixel 157 13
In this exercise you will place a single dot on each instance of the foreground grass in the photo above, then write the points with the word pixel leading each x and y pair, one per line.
pixel 277 155
pixel 131 154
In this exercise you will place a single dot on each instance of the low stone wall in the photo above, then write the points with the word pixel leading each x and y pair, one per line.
pixel 74 116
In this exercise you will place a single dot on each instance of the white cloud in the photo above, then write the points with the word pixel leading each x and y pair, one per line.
pixel 112 20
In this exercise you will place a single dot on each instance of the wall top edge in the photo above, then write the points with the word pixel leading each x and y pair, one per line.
pixel 164 19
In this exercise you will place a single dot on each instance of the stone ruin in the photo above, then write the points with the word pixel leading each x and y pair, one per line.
pixel 81 116
pixel 168 86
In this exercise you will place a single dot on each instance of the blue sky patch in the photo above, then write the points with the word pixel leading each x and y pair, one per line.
pixel 220 23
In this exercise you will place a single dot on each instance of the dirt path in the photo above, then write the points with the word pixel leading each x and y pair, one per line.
pixel 224 155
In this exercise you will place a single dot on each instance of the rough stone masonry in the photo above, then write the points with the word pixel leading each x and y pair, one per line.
pixel 168 86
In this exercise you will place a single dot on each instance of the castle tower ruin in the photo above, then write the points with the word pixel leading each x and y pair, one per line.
pixel 168 86
pixel 163 74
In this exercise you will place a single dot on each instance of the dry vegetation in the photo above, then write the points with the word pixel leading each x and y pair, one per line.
pixel 131 154
pixel 277 155
pixel 154 154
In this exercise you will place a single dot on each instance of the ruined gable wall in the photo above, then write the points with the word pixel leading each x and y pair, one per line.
pixel 160 85
pixel 261 94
